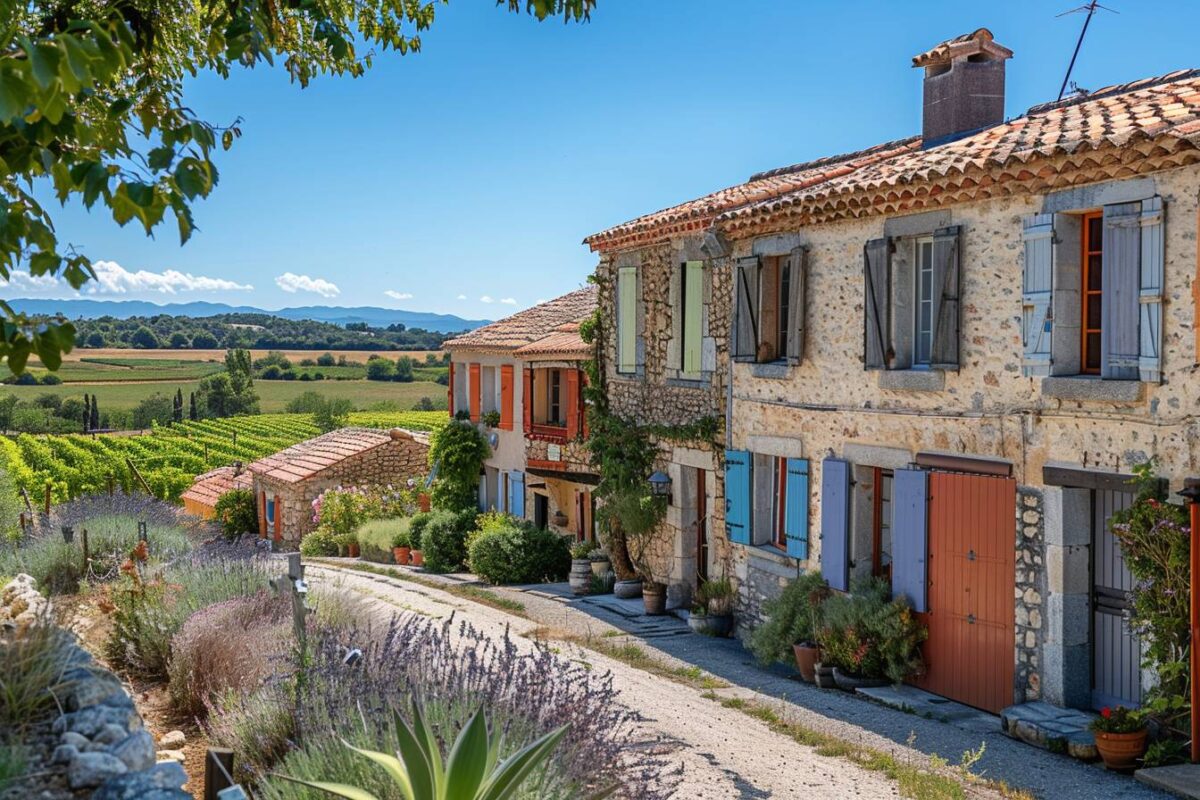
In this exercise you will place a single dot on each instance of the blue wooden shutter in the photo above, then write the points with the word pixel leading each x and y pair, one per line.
pixel 910 535
pixel 1037 295
pixel 516 494
pixel 835 523
pixel 795 517
pixel 737 496
pixel 1150 340
pixel 1120 350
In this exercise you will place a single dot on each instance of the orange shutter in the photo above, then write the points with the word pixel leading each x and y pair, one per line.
pixel 583 415
pixel 450 391
pixel 527 400
pixel 278 519
pixel 506 397
pixel 572 401
pixel 262 515
pixel 475 385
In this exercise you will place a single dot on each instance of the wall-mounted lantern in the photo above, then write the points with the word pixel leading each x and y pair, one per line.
pixel 660 484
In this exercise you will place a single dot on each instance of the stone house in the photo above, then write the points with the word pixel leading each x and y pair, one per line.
pixel 521 378
pixel 287 482
pixel 943 359
pixel 200 499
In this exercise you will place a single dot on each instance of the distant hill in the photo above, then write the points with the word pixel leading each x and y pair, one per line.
pixel 337 315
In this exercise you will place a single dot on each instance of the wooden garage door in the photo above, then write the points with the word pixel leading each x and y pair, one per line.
pixel 972 529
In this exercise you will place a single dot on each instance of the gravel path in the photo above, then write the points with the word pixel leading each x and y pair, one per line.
pixel 725 753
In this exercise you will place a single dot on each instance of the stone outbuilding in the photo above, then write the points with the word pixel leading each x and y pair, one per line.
pixel 201 497
pixel 286 483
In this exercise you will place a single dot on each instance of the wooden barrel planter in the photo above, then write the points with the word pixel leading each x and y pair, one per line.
pixel 580 577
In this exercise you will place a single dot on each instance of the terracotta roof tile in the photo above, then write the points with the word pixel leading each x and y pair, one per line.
pixel 563 343
pixel 530 325
pixel 306 459
pixel 977 42
pixel 207 488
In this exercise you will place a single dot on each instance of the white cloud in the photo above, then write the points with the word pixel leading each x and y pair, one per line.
pixel 486 299
pixel 112 278
pixel 392 293
pixel 25 282
pixel 462 297
pixel 508 301
pixel 540 300
pixel 292 283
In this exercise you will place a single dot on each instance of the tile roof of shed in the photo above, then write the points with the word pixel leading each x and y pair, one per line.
pixel 1118 131
pixel 530 325
pixel 563 343
pixel 306 459
pixel 206 489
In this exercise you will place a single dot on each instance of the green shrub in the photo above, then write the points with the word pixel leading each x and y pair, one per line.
pixel 375 539
pixel 32 666
pixel 866 635
pixel 321 542
pixel 236 512
pixel 416 528
pixel 519 552
pixel 444 540
pixel 458 451
pixel 792 618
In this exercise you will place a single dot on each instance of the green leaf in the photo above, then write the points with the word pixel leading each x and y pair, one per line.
pixel 336 789
pixel 468 758
pixel 160 158
pixel 78 59
pixel 505 782
pixel 416 760
pixel 44 262
pixel 392 766
pixel 14 94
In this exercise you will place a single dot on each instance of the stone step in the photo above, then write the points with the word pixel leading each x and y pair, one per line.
pixel 1059 730
pixel 1180 779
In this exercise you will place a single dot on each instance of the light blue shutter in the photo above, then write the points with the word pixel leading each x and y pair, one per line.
pixel 910 528
pixel 835 523
pixel 516 494
pixel 795 517
pixel 1037 295
pixel 737 496
pixel 1120 350
pixel 1151 292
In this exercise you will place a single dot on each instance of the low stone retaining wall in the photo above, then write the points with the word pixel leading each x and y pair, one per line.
pixel 98 746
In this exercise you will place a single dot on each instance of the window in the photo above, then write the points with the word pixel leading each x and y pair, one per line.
pixel 1091 292
pixel 271 512
pixel 881 529
pixel 554 400
pixel 769 316
pixel 549 405
pixel 627 301
pixel 779 503
pixel 775 301
pixel 691 312
pixel 923 305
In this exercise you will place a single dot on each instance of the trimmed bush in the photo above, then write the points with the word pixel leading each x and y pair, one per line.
pixel 237 512
pixel 233 645
pixel 375 538
pixel 321 542
pixel 519 552
pixel 444 540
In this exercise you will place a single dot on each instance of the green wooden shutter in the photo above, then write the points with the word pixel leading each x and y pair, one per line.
pixel 947 245
pixel 1037 295
pixel 627 319
pixel 877 340
pixel 1151 292
pixel 693 311
pixel 795 516
pixel 1120 350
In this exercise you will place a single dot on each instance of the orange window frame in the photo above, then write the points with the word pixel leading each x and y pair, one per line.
pixel 1089 326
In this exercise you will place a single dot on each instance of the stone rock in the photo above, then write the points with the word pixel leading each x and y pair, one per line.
pixel 170 755
pixel 89 721
pixel 92 691
pixel 93 769
pixel 172 740
pixel 64 754
pixel 160 782
pixel 136 750
pixel 110 734
pixel 76 740
pixel 1082 746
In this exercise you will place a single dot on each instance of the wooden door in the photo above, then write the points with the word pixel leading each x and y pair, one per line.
pixel 1116 652
pixel 970 652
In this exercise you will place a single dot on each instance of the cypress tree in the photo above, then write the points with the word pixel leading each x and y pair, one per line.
pixel 192 415
pixel 87 413
pixel 95 421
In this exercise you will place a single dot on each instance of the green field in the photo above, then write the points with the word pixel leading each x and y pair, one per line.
pixel 109 370
pixel 274 394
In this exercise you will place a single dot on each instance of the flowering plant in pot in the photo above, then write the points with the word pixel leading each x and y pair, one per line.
pixel 1120 737
pixel 793 620
pixel 868 639
pixel 580 577
pixel 712 608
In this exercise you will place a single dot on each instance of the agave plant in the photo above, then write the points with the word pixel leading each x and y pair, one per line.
pixel 472 771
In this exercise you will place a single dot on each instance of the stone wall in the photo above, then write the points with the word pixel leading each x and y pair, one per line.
pixel 98 742
pixel 1030 593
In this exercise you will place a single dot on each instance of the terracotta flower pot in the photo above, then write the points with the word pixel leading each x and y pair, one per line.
pixel 353 547
pixel 1121 751
pixel 417 558
pixel 807 656
pixel 654 597
pixel 401 554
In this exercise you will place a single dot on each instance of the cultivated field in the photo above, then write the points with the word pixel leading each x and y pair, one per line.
pixel 80 353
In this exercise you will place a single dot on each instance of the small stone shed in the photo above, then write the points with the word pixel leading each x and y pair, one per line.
pixel 286 483
pixel 201 498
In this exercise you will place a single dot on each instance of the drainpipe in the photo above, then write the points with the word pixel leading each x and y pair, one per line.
pixel 1191 491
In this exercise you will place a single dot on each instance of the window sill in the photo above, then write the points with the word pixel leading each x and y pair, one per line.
pixel 774 370
pixel 1092 389
pixel 770 558
pixel 913 380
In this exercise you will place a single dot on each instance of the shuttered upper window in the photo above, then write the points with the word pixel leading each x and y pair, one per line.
pixel 627 302
pixel 691 315
pixel 1092 291
pixel 770 316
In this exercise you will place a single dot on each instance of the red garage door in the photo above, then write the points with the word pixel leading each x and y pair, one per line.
pixel 972 530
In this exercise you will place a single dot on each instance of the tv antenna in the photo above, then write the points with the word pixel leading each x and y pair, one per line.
pixel 1091 9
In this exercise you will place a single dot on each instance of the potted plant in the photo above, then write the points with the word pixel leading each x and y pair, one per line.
pixel 1120 737
pixel 600 563
pixel 712 608
pixel 352 545
pixel 401 545
pixel 868 639
pixel 790 630
pixel 580 576
pixel 654 598
pixel 491 419
pixel 416 528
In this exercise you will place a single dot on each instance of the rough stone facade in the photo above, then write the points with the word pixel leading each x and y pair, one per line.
pixel 659 394
pixel 1029 593
pixel 404 456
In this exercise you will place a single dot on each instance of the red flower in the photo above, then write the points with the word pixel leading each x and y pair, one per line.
pixel 1106 712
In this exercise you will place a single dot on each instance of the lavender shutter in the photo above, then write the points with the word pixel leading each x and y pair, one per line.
pixel 737 496
pixel 947 246
pixel 795 516
pixel 1037 295
pixel 1120 349
pixel 835 523
pixel 1151 292
pixel 910 542
pixel 745 309
pixel 876 324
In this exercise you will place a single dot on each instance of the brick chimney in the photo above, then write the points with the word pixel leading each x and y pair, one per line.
pixel 964 86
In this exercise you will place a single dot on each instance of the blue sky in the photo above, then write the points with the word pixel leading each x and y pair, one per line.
pixel 471 171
